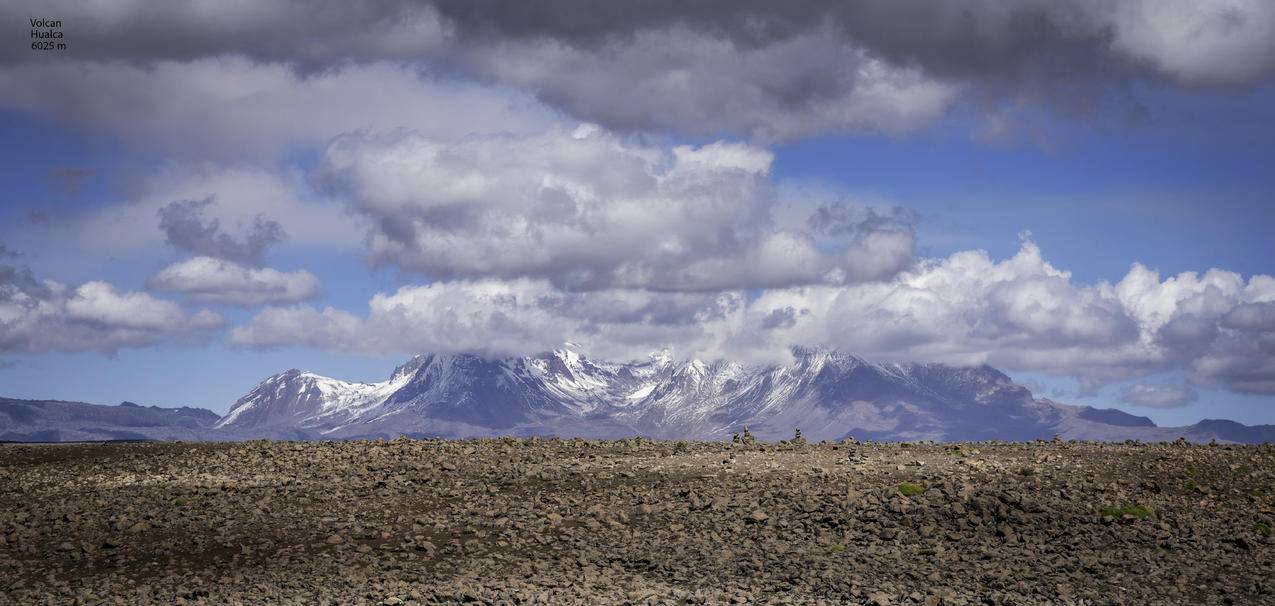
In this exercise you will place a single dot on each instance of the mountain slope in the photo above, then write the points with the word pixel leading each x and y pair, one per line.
pixel 58 421
pixel 827 395
pixel 302 400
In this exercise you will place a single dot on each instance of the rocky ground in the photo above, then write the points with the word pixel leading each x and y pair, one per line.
pixel 635 521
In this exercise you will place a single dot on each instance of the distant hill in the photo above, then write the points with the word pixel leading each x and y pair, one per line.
pixel 58 421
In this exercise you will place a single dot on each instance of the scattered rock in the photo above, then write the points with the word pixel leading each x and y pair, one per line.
pixel 549 521
pixel 880 599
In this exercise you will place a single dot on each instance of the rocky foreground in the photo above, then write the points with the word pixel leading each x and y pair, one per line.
pixel 635 521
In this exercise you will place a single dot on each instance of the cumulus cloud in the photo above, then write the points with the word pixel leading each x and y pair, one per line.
pixel 186 229
pixel 1023 313
pixel 490 316
pixel 763 69
pixel 1019 314
pixel 1150 395
pixel 220 281
pixel 587 209
pixel 499 317
pixel 38 316
pixel 227 267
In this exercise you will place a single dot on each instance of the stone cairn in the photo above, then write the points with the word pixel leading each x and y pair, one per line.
pixel 797 439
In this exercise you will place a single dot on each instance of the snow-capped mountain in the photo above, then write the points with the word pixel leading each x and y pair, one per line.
pixel 828 395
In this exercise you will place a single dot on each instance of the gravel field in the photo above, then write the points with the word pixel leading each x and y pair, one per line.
pixel 547 521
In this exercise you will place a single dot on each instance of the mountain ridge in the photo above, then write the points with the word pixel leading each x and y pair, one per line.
pixel 827 394
pixel 24 420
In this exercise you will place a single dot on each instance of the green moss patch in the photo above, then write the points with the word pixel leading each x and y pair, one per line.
pixel 1137 511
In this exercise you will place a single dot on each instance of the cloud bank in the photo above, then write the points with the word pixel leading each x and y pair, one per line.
pixel 766 70
pixel 38 316
pixel 213 280
pixel 589 210
pixel 1020 314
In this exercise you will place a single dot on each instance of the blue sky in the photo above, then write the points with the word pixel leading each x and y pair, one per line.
pixel 443 195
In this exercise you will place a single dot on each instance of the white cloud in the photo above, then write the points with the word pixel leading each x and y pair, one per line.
pixel 499 317
pixel 590 210
pixel 1150 395
pixel 1024 314
pixel 40 316
pixel 967 309
pixel 1216 42
pixel 99 303
pixel 220 281
pixel 1018 314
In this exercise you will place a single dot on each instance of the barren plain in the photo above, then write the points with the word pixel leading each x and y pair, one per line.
pixel 548 521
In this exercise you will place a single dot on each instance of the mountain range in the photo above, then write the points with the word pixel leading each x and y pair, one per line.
pixel 827 395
